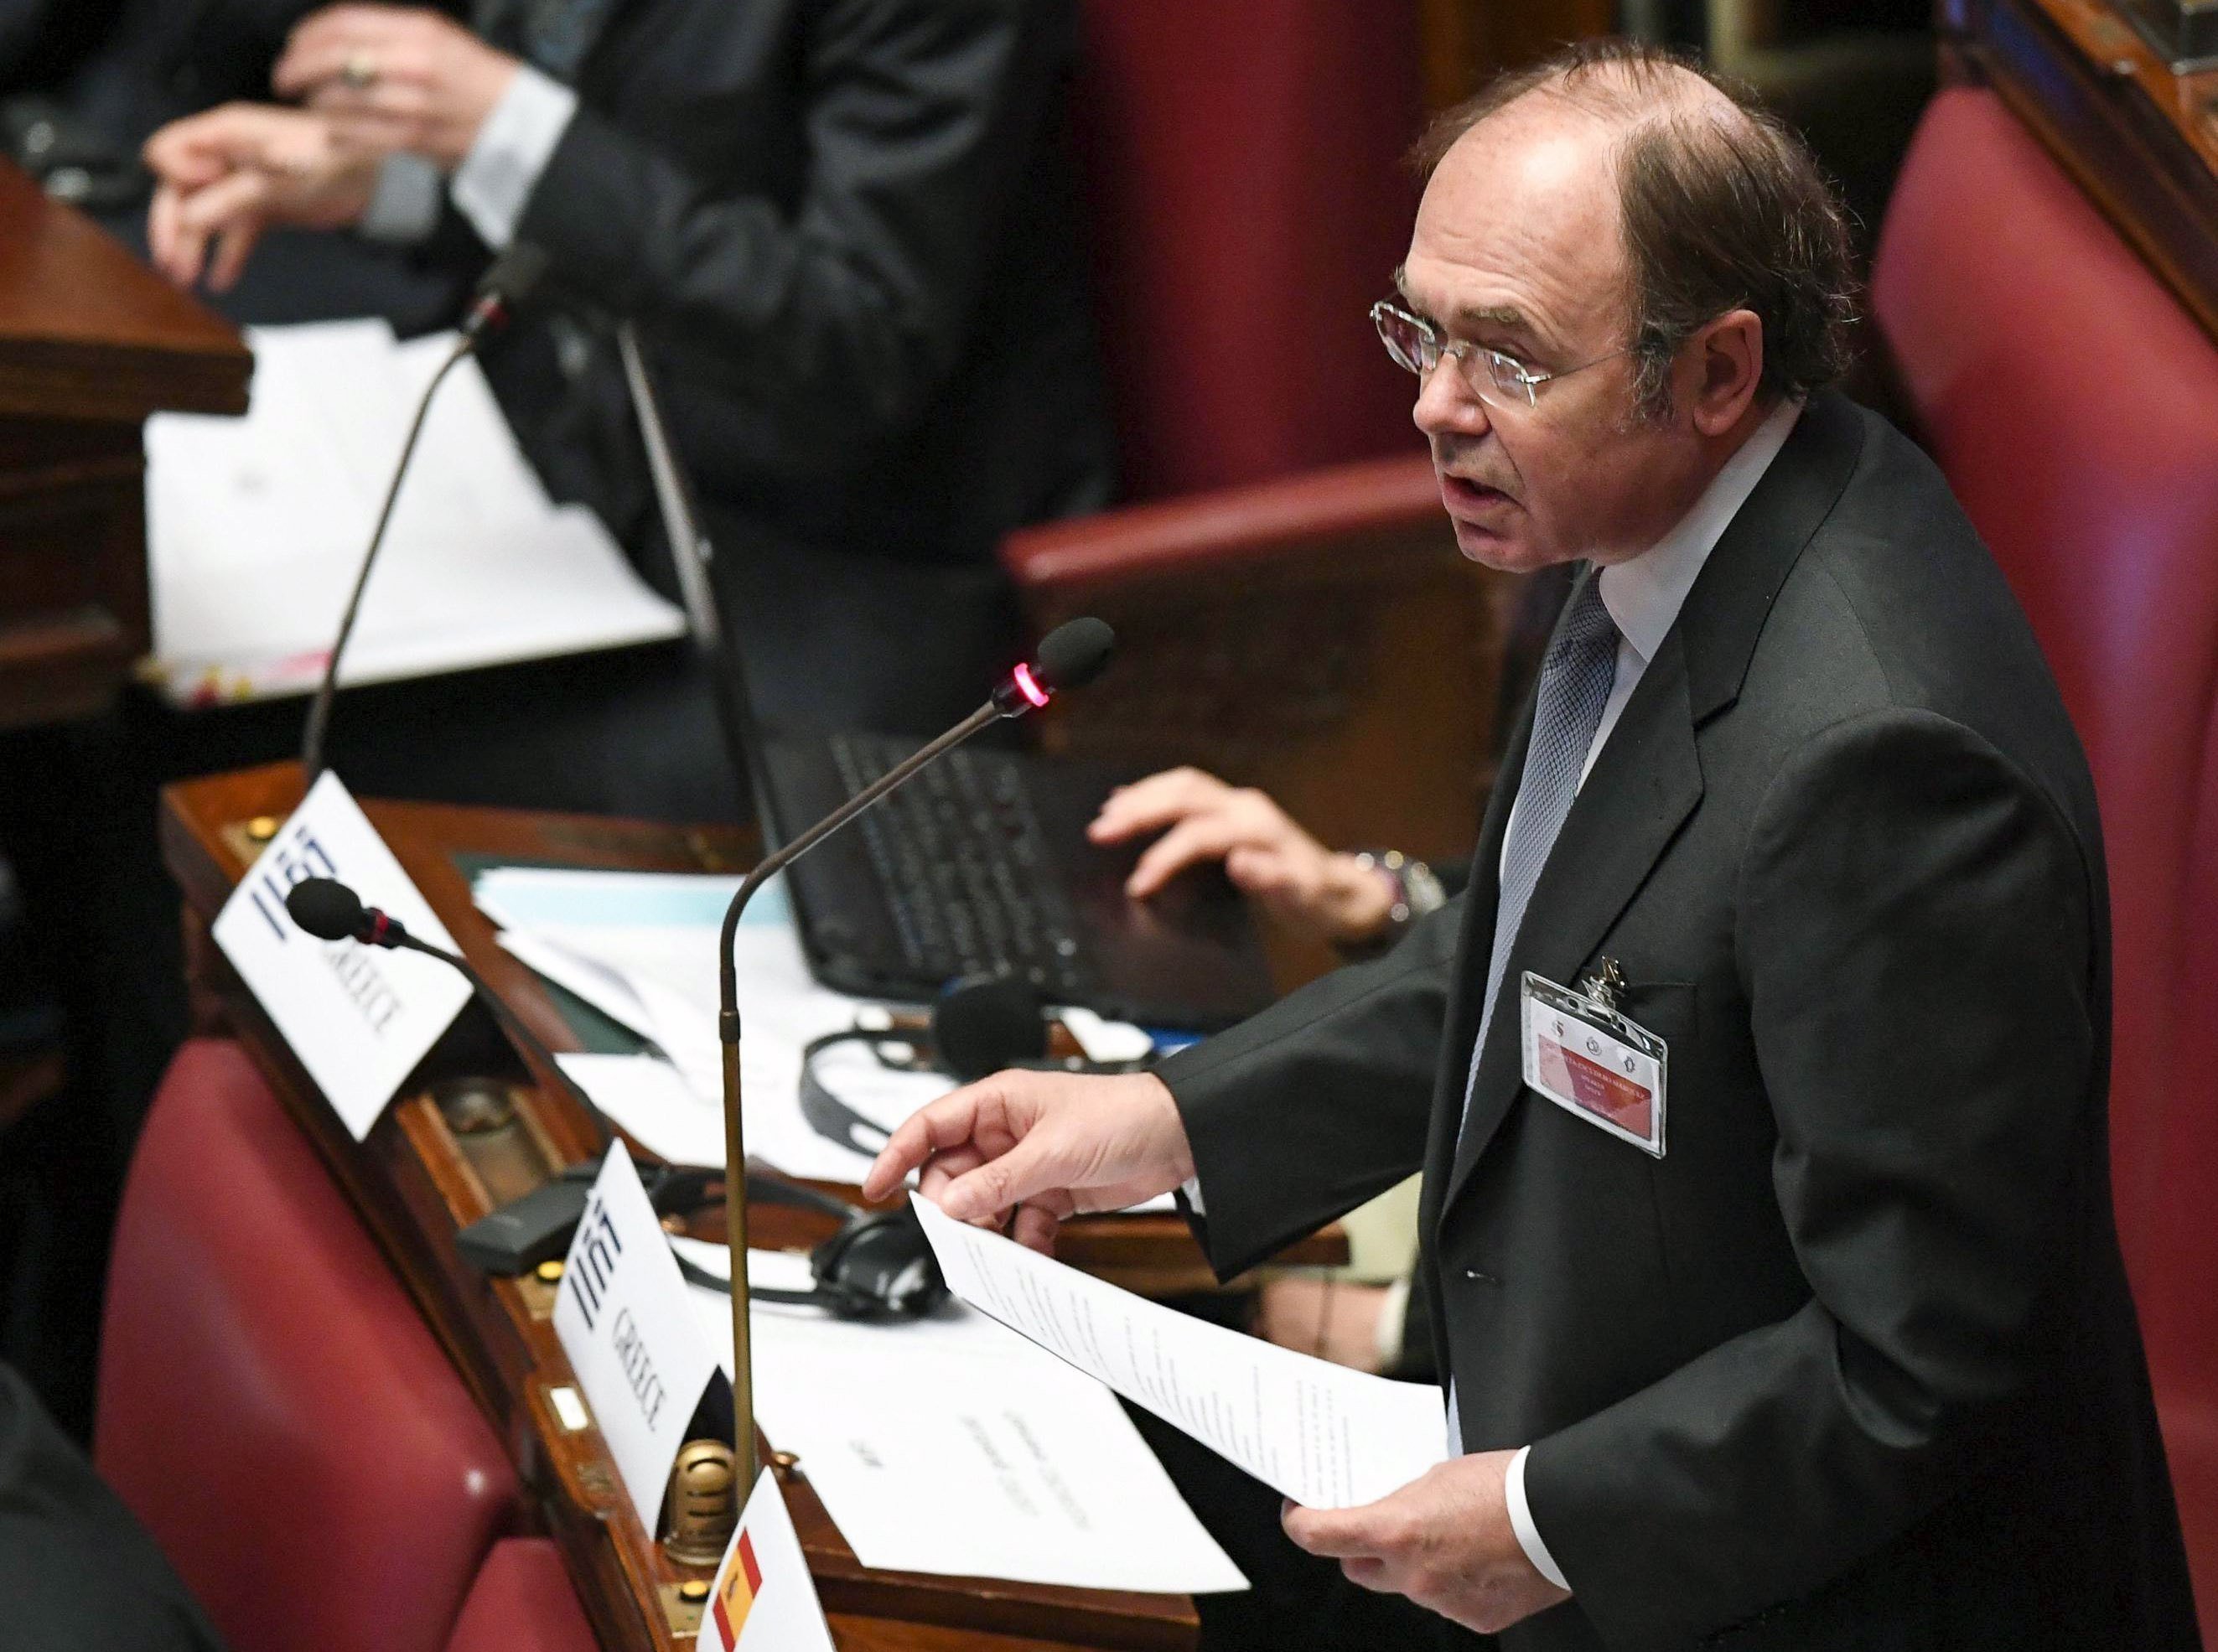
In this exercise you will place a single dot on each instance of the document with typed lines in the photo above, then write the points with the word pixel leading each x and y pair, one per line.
pixel 1326 1436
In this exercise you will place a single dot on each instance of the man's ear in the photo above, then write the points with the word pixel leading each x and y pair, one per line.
pixel 1722 369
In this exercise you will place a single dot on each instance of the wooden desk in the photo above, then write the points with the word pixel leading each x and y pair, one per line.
pixel 2141 139
pixel 92 343
pixel 415 1183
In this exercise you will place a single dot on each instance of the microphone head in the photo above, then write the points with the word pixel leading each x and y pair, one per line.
pixel 987 1023
pixel 327 909
pixel 1073 654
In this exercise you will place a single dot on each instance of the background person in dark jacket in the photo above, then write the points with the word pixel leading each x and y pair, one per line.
pixel 844 231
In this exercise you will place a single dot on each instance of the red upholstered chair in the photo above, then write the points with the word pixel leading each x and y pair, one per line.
pixel 1291 607
pixel 2179 1302
pixel 270 1404
pixel 1247 204
pixel 522 1602
pixel 2073 405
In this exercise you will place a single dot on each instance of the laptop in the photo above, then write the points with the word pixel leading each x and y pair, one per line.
pixel 979 865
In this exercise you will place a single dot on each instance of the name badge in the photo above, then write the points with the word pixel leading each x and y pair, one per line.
pixel 1594 1062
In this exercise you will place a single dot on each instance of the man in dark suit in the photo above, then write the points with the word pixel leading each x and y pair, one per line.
pixel 1814 1332
pixel 846 232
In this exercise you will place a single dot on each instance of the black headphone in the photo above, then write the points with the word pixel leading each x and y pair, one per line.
pixel 878 1266
pixel 980 1025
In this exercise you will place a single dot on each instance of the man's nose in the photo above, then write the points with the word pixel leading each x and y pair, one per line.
pixel 1446 405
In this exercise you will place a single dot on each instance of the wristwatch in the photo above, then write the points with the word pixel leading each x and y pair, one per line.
pixel 1416 892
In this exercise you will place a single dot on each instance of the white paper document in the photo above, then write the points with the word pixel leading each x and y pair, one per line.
pixel 641 948
pixel 1326 1436
pixel 256 526
pixel 949 1445
pixel 660 980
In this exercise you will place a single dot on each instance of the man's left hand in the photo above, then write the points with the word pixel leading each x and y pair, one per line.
pixel 390 77
pixel 1444 1540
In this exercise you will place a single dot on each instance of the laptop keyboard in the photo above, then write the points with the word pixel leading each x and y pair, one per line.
pixel 964 866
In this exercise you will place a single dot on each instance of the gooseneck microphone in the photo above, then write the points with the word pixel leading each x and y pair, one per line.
pixel 1071 656
pixel 330 910
pixel 506 284
pixel 877 1266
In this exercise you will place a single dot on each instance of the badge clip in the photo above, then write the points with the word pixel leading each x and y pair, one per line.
pixel 1603 986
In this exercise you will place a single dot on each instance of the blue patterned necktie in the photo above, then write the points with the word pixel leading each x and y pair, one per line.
pixel 1575 677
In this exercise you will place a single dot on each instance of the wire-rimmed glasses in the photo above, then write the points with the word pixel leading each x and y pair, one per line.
pixel 1496 378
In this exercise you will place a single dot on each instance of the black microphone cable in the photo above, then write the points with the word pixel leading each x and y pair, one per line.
pixel 506 284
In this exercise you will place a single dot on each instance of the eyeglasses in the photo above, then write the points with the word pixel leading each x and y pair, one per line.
pixel 1497 379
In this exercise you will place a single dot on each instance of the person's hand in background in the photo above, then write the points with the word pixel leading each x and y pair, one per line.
pixel 1264 852
pixel 391 78
pixel 225 177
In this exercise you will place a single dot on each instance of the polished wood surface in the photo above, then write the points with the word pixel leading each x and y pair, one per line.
pixel 92 343
pixel 415 1185
pixel 2141 139
pixel 87 331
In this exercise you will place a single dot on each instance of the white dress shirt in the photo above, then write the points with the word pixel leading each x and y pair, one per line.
pixel 496 178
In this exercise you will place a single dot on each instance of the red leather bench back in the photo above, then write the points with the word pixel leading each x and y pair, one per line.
pixel 523 1602
pixel 1247 204
pixel 2073 405
pixel 271 1405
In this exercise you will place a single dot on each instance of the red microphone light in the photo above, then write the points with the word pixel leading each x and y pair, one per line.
pixel 1029 688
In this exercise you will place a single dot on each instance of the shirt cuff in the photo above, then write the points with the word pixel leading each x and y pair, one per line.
pixel 1521 1521
pixel 404 208
pixel 1190 1192
pixel 496 178
pixel 1393 1320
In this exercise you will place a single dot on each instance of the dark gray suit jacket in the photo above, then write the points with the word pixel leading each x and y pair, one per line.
pixel 1853 1364
pixel 848 231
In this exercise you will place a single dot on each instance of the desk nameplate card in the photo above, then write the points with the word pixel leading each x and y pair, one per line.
pixel 623 1318
pixel 360 1018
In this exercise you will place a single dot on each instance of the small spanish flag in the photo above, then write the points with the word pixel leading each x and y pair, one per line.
pixel 742 1583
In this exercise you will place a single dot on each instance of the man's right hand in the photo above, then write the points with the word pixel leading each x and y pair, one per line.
pixel 1045 1145
pixel 224 176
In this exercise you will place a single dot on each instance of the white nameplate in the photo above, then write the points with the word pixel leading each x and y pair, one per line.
pixel 359 1018
pixel 764 1598
pixel 623 1317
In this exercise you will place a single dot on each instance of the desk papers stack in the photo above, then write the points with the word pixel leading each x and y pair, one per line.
pixel 256 526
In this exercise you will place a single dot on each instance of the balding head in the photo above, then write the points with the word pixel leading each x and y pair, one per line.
pixel 1716 206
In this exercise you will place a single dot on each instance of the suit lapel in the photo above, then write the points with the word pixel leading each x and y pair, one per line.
pixel 1645 784
pixel 1481 896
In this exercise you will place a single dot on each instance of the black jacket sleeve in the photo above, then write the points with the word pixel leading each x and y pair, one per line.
pixel 844 313
pixel 1916 938
pixel 1300 1114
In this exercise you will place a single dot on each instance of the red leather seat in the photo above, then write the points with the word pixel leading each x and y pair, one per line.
pixel 272 1406
pixel 522 1602
pixel 2073 405
pixel 1291 608
pixel 1247 205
